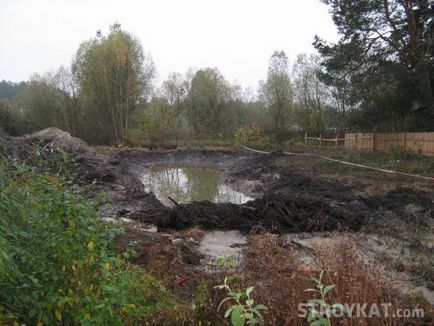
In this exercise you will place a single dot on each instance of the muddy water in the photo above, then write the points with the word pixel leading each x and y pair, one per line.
pixel 185 183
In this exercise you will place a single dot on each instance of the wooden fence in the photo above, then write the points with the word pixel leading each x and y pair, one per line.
pixel 337 141
pixel 418 142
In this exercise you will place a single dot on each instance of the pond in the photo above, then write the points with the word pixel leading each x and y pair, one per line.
pixel 187 182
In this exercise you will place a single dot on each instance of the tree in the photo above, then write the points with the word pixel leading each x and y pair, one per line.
pixel 209 99
pixel 377 37
pixel 276 91
pixel 9 90
pixel 41 103
pixel 6 124
pixel 310 93
pixel 175 91
pixel 115 78
pixel 65 82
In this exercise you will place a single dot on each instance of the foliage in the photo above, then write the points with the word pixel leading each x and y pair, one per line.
pixel 226 262
pixel 210 104
pixel 254 137
pixel 382 67
pixel 56 259
pixel 7 121
pixel 42 103
pixel 320 311
pixel 115 78
pixel 311 94
pixel 243 310
pixel 9 90
pixel 277 93
pixel 378 77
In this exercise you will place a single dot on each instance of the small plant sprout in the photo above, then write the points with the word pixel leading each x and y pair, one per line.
pixel 320 311
pixel 226 262
pixel 242 311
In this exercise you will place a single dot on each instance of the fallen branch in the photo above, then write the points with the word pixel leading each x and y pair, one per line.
pixel 173 200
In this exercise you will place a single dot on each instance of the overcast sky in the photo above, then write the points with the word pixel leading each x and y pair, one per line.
pixel 236 36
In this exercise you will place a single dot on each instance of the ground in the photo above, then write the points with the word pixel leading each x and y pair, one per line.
pixel 366 229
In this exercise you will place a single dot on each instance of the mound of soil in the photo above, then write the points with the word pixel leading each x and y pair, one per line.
pixel 48 140
pixel 123 192
pixel 48 144
pixel 274 212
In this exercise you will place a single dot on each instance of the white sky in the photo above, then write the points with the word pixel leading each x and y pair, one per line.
pixel 236 36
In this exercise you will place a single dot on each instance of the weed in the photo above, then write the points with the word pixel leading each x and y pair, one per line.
pixel 319 310
pixel 243 310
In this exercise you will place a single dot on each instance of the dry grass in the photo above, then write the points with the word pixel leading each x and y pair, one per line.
pixel 195 232
pixel 280 279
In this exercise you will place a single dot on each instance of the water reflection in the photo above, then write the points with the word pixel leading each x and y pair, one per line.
pixel 186 183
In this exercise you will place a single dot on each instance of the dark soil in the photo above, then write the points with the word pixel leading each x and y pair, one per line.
pixel 296 201
pixel 274 212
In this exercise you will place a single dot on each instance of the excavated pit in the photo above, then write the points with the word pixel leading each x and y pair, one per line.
pixel 289 198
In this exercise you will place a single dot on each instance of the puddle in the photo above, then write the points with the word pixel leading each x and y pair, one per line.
pixel 222 243
pixel 185 183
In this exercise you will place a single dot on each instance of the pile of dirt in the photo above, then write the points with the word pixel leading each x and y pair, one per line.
pixel 47 145
pixel 349 197
pixel 117 178
pixel 49 140
pixel 274 212
pixel 400 198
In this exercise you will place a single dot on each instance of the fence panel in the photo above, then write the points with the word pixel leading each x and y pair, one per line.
pixel 422 142
pixel 386 141
pixel 419 142
pixel 361 141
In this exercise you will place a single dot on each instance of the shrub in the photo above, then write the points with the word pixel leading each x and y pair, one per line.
pixel 57 264
pixel 253 137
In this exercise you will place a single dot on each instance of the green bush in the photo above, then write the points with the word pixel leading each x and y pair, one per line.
pixel 57 264
pixel 253 137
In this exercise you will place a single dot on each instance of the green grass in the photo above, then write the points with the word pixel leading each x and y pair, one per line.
pixel 396 160
pixel 57 263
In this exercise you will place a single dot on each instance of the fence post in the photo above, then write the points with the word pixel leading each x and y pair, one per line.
pixel 373 141
pixel 405 140
pixel 320 140
pixel 305 138
pixel 337 138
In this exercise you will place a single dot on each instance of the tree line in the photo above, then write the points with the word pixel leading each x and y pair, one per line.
pixel 377 77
